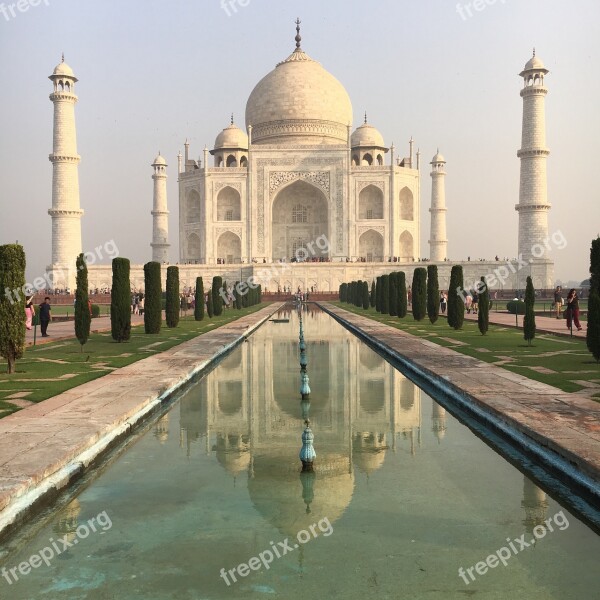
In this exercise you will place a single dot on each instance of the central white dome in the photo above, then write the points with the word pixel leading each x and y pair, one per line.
pixel 299 102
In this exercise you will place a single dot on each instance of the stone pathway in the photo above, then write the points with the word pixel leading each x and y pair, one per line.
pixel 542 324
pixel 44 446
pixel 567 424
pixel 60 330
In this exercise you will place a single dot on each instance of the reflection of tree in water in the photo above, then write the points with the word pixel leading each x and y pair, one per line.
pixel 161 429
pixel 68 521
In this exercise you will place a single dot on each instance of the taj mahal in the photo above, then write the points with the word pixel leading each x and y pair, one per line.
pixel 300 198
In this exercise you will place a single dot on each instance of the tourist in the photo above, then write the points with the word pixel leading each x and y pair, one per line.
pixel 468 302
pixel 573 309
pixel 475 303
pixel 409 296
pixel 29 312
pixel 443 303
pixel 141 306
pixel 558 302
pixel 45 316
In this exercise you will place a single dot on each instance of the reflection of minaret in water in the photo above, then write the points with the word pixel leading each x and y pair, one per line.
pixel 438 421
pixel 66 525
pixel 535 504
pixel 161 429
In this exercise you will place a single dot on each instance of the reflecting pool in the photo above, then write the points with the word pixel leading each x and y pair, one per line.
pixel 209 501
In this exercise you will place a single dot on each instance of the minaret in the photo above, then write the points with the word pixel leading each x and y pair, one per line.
pixel 65 212
pixel 438 244
pixel 533 193
pixel 160 214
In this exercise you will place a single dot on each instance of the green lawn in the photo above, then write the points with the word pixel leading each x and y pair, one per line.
pixel 562 360
pixel 49 369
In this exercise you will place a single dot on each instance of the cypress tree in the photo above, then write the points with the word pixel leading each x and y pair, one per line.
pixel 173 300
pixel 393 295
pixel 152 298
pixel 259 294
pixel 238 296
pixel 593 327
pixel 385 294
pixel 378 294
pixel 529 318
pixel 83 318
pixel 402 297
pixel 366 298
pixel 217 284
pixel 12 304
pixel 199 303
pixel 483 312
pixel 120 300
pixel 344 292
pixel 209 304
pixel 372 295
pixel 419 294
pixel 456 305
pixel 358 301
pixel 433 293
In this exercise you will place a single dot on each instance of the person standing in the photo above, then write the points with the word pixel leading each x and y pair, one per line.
pixel 443 303
pixel 475 302
pixel 45 316
pixel 29 312
pixel 558 301
pixel 573 310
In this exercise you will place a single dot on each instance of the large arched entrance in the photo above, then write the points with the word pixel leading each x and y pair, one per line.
pixel 300 219
pixel 229 248
pixel 370 246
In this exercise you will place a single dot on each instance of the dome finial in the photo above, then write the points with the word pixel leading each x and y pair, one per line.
pixel 534 52
pixel 298 37
pixel 365 117
pixel 63 57
pixel 232 118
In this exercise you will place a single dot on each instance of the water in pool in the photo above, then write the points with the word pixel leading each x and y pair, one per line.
pixel 210 502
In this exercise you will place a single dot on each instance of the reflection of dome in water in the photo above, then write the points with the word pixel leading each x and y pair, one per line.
pixel 368 451
pixel 276 490
pixel 233 453
pixel 67 522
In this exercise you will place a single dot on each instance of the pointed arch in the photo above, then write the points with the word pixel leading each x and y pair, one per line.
pixel 370 246
pixel 407 212
pixel 370 203
pixel 229 205
pixel 229 248
pixel 193 246
pixel 407 250
pixel 192 207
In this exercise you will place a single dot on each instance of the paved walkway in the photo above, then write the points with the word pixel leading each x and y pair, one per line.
pixel 567 424
pixel 44 446
pixel 542 324
pixel 61 330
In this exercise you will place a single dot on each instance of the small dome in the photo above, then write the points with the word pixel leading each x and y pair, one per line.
pixel 438 158
pixel 231 138
pixel 63 70
pixel 534 64
pixel 159 160
pixel 366 135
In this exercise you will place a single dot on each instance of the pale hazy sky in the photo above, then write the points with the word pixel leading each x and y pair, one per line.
pixel 154 72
